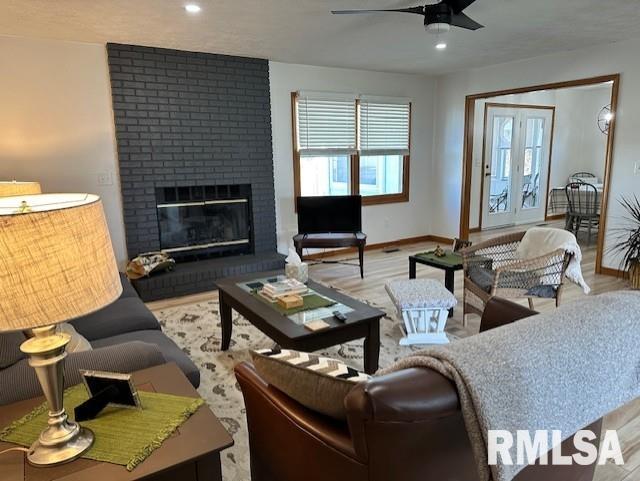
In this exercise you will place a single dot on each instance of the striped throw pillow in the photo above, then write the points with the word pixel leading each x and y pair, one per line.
pixel 317 382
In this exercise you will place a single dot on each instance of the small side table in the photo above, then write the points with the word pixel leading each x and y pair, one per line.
pixel 450 263
pixel 192 453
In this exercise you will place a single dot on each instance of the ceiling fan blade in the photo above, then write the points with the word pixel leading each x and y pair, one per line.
pixel 458 5
pixel 418 10
pixel 463 21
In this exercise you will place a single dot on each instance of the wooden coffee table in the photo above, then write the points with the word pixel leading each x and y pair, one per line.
pixel 192 453
pixel 362 322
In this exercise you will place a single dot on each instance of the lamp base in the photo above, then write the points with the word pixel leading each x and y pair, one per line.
pixel 62 440
pixel 41 455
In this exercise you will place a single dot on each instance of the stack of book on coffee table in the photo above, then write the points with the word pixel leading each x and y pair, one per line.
pixel 287 293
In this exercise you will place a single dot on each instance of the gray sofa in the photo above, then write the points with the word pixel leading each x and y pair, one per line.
pixel 125 337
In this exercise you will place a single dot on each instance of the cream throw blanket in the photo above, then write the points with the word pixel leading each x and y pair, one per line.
pixel 539 241
pixel 560 370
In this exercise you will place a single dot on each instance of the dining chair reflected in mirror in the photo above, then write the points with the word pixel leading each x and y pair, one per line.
pixel 584 208
pixel 586 177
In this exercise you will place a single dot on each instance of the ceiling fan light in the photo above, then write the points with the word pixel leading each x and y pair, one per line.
pixel 192 8
pixel 437 28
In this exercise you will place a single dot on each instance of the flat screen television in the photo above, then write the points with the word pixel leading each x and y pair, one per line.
pixel 329 214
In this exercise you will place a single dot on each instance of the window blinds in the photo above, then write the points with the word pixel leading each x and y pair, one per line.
pixel 384 126
pixel 326 124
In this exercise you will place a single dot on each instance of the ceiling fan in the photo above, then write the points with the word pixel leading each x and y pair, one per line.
pixel 438 18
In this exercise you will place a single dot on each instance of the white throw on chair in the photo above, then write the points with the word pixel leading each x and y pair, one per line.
pixel 423 305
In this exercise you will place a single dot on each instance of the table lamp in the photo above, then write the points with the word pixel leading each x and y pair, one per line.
pixel 13 187
pixel 56 264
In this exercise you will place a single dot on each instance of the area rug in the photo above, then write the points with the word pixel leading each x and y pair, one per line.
pixel 196 329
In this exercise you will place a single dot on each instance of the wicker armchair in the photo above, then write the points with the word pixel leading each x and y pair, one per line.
pixel 492 268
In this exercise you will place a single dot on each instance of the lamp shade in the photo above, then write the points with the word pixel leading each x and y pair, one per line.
pixel 9 188
pixel 56 260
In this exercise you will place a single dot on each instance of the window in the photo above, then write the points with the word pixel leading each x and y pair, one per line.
pixel 384 144
pixel 344 144
pixel 533 146
pixel 381 174
pixel 322 175
pixel 503 138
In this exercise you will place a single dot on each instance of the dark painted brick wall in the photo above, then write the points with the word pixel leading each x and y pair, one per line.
pixel 187 118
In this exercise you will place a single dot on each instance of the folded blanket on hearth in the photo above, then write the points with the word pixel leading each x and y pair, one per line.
pixel 561 370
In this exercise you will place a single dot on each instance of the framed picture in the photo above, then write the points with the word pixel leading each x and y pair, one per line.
pixel 120 388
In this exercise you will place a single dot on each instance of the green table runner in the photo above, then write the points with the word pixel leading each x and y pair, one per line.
pixel 449 259
pixel 311 301
pixel 123 436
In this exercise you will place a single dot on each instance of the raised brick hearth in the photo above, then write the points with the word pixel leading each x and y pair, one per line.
pixel 185 119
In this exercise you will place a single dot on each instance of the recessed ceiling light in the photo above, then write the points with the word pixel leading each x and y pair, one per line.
pixel 192 8
pixel 441 46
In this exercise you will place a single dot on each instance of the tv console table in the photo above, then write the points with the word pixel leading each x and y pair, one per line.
pixel 331 240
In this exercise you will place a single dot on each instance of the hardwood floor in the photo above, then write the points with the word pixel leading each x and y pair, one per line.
pixel 381 267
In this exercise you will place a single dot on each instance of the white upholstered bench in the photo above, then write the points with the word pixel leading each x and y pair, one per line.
pixel 423 305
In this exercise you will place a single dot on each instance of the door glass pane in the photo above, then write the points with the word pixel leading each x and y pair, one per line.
pixel 500 187
pixel 381 174
pixel 325 175
pixel 533 148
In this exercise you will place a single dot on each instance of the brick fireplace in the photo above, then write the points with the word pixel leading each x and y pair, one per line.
pixel 197 123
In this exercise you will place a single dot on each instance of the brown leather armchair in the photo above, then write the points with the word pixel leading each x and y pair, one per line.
pixel 404 426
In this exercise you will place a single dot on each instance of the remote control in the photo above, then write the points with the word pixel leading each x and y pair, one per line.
pixel 339 316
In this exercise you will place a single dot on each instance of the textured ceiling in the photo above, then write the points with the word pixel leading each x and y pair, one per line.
pixel 303 31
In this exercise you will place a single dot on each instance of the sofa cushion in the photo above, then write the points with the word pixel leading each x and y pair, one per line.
pixel 78 342
pixel 482 277
pixel 127 288
pixel 317 382
pixel 169 349
pixel 10 352
pixel 126 358
pixel 124 315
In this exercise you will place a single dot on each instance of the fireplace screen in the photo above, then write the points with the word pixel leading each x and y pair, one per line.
pixel 189 226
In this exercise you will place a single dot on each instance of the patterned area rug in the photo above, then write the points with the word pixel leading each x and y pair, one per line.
pixel 196 329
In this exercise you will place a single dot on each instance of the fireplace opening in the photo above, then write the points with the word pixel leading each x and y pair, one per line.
pixel 205 221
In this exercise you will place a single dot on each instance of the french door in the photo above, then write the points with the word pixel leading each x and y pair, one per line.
pixel 516 162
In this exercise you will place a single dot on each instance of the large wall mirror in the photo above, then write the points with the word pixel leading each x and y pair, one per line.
pixel 535 154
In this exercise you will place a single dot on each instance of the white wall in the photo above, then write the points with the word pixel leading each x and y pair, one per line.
pixel 578 144
pixel 56 126
pixel 451 91
pixel 56 121
pixel 381 222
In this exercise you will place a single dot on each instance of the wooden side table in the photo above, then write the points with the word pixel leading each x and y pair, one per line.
pixel 191 454
pixel 449 264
